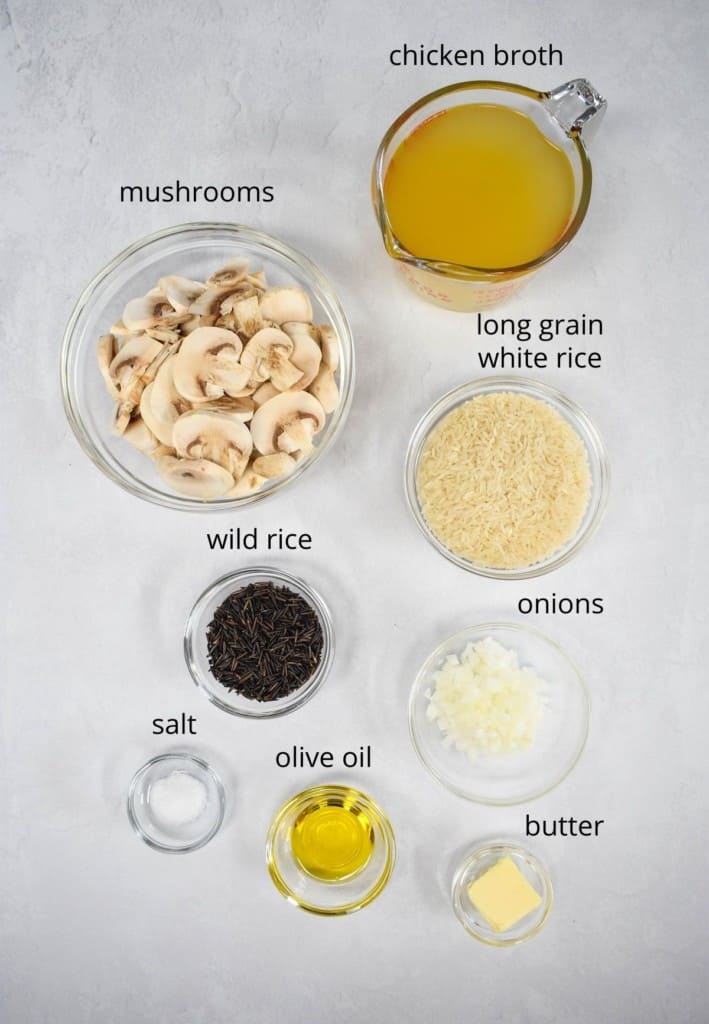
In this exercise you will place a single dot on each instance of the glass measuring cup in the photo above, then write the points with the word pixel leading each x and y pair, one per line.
pixel 567 116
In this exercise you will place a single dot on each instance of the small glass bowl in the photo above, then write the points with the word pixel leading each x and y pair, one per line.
pixel 476 863
pixel 195 643
pixel 516 777
pixel 163 835
pixel 329 898
pixel 584 427
pixel 194 251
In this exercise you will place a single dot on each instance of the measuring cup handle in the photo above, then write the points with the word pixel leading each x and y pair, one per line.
pixel 577 106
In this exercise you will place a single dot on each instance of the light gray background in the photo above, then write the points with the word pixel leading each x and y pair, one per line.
pixel 97 927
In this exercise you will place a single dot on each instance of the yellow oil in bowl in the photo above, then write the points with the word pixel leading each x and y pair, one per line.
pixel 332 840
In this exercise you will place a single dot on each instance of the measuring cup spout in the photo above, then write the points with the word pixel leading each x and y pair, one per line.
pixel 577 106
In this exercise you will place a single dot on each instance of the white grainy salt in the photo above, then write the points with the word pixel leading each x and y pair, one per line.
pixel 177 799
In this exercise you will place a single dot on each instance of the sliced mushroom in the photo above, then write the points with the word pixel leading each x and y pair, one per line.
pixel 325 389
pixel 275 465
pixel 241 408
pixel 161 404
pixel 197 478
pixel 132 359
pixel 248 316
pixel 258 280
pixel 307 356
pixel 330 345
pixel 180 291
pixel 217 300
pixel 264 393
pixel 287 423
pixel 227 320
pixel 282 304
pixel 191 364
pixel 214 436
pixel 148 311
pixel 192 323
pixel 207 365
pixel 106 354
pixel 209 302
pixel 266 356
pixel 166 335
pixel 141 437
pixel 119 329
pixel 249 484
pixel 230 274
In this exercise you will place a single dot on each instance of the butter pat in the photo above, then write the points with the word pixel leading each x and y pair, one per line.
pixel 503 895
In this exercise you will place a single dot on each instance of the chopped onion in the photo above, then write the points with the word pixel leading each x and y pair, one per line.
pixel 484 703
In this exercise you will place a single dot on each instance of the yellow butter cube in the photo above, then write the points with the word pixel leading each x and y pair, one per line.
pixel 503 895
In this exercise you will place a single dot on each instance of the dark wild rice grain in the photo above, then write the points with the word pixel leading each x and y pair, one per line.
pixel 264 642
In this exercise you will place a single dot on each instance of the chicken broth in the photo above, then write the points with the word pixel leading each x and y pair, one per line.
pixel 479 185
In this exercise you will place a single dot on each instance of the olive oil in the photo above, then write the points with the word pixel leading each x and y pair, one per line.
pixel 479 185
pixel 332 840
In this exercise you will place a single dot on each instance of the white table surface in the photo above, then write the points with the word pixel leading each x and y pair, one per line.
pixel 96 926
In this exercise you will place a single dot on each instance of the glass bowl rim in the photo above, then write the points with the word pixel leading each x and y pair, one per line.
pixel 133 484
pixel 372 808
pixel 263 574
pixel 576 416
pixel 205 768
pixel 437 654
pixel 503 848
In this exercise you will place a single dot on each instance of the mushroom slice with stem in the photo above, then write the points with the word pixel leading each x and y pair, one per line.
pixel 216 437
pixel 207 365
pixel 197 478
pixel 105 355
pixel 161 404
pixel 149 311
pixel 130 371
pixel 287 423
pixel 270 466
pixel 266 356
pixel 282 304
pixel 180 291
pixel 132 359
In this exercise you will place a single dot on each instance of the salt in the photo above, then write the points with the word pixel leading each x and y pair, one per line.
pixel 178 798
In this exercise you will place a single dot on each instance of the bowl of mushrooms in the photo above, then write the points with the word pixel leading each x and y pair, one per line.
pixel 207 366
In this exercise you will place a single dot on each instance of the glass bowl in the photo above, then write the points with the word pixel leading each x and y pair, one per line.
pixel 195 643
pixel 509 778
pixel 584 427
pixel 195 251
pixel 164 834
pixel 475 864
pixel 331 897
